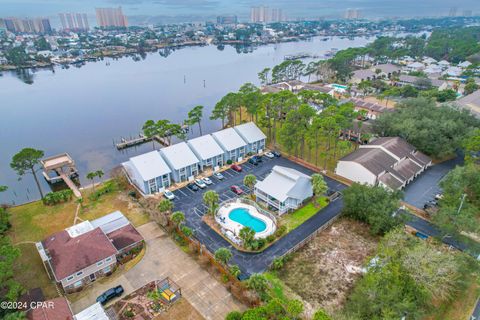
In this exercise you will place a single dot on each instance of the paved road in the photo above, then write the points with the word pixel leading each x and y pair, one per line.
pixel 426 186
pixel 191 204
pixel 476 312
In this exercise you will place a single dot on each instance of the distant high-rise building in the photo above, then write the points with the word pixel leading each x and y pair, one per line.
pixel 232 19
pixel 27 25
pixel 266 14
pixel 352 14
pixel 467 13
pixel 453 12
pixel 74 21
pixel 111 17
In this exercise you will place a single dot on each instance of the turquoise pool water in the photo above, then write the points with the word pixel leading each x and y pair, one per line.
pixel 339 86
pixel 243 216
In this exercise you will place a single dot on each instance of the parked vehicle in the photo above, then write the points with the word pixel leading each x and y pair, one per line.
pixel 438 196
pixel 218 175
pixel 269 155
pixel 421 235
pixel 169 195
pixel 200 183
pixel 253 161
pixel 332 195
pixel 193 187
pixel 207 181
pixel 276 154
pixel 258 158
pixel 110 294
pixel 236 189
pixel 236 167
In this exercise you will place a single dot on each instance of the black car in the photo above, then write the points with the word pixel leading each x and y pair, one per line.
pixel 276 154
pixel 253 161
pixel 110 294
pixel 258 158
pixel 192 187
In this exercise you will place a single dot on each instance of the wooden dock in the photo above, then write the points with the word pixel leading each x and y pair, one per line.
pixel 64 168
pixel 131 142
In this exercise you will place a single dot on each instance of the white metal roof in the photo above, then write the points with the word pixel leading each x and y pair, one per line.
pixel 179 155
pixel 79 229
pixel 229 139
pixel 205 147
pixel 150 165
pixel 250 132
pixel 110 222
pixel 284 182
pixel 94 312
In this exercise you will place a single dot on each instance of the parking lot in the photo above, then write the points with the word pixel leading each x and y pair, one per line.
pixel 191 203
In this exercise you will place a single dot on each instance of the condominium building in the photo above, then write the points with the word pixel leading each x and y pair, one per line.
pixel 74 21
pixel 266 14
pixel 352 14
pixel 27 25
pixel 111 17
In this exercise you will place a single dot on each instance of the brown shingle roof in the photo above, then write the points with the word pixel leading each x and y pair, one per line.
pixel 389 180
pixel 374 160
pixel 124 237
pixel 60 311
pixel 395 145
pixel 70 255
pixel 407 168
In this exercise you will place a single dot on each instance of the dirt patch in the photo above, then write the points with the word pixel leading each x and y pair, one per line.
pixel 182 309
pixel 325 270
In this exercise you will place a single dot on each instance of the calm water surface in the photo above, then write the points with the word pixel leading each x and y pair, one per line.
pixel 82 110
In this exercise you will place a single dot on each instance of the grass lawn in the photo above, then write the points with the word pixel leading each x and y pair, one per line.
pixel 296 218
pixel 35 221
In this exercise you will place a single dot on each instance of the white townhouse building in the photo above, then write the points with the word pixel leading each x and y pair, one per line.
pixel 253 136
pixel 207 151
pixel 149 172
pixel 234 147
pixel 182 161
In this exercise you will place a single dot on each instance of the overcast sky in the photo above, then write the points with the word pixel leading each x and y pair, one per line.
pixel 293 8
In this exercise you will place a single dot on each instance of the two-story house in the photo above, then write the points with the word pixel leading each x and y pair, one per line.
pixel 253 136
pixel 234 147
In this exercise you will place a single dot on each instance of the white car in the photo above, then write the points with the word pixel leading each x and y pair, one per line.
pixel 200 183
pixel 218 175
pixel 269 155
pixel 207 181
pixel 169 195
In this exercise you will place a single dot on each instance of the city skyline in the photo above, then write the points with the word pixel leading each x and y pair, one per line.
pixel 208 8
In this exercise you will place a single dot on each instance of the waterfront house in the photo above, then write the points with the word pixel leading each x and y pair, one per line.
pixel 389 161
pixel 81 254
pixel 234 147
pixel 148 172
pixel 182 161
pixel 253 136
pixel 284 189
pixel 207 151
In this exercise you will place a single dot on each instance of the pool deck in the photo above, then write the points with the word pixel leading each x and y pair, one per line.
pixel 223 219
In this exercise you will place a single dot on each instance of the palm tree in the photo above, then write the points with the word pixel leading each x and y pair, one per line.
pixel 187 231
pixel 223 255
pixel 150 129
pixel 177 218
pixel 164 207
pixel 210 198
pixel 257 282
pixel 319 185
pixel 235 271
pixel 247 235
pixel 250 180
pixel 99 174
pixel 91 176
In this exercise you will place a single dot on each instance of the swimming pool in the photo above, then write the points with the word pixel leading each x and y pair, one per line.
pixel 243 216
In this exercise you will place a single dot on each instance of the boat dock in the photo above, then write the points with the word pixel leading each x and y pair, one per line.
pixel 135 141
pixel 301 55
pixel 63 167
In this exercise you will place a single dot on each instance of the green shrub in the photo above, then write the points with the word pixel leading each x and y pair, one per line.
pixel 234 315
pixel 280 231
pixel 57 197
pixel 229 162
pixel 270 238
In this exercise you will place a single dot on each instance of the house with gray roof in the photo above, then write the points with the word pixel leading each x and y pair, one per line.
pixel 388 161
pixel 284 189
pixel 148 172
pixel 182 161
pixel 471 102
pixel 233 145
pixel 207 151
pixel 253 136
pixel 421 83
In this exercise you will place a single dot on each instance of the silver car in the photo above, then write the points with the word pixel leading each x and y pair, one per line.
pixel 169 195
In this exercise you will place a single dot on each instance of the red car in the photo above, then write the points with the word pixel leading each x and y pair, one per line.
pixel 236 189
pixel 236 167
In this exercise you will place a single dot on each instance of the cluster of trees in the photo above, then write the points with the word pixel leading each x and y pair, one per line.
pixel 436 131
pixel 409 278
pixel 453 44
pixel 376 206
pixel 53 198
pixel 10 289
pixel 164 129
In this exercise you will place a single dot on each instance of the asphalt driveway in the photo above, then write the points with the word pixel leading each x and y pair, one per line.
pixel 191 203
pixel 426 186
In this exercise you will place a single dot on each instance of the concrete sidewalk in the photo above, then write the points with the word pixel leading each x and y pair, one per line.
pixel 163 258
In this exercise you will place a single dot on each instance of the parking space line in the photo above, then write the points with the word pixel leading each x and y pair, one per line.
pixel 180 190
pixel 228 173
